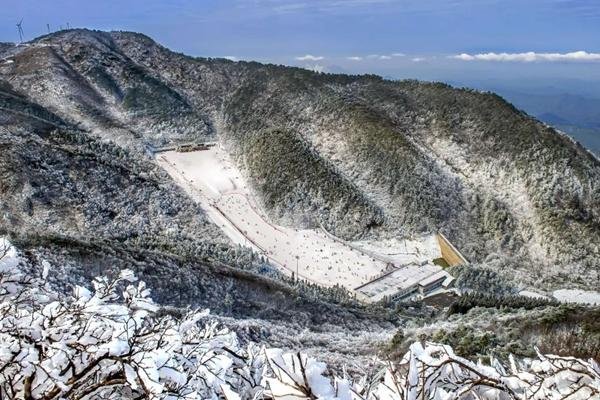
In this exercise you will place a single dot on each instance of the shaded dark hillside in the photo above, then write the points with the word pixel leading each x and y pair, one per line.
pixel 67 183
pixel 363 156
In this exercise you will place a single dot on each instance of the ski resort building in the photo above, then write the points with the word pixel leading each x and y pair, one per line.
pixel 409 281
pixel 414 280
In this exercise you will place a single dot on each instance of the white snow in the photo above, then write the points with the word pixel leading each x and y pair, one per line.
pixel 530 293
pixel 497 183
pixel 577 296
pixel 8 256
pixel 403 251
pixel 210 177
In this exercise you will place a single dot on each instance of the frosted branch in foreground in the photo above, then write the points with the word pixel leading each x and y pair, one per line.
pixel 110 343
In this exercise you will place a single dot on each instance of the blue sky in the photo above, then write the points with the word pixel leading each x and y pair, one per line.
pixel 493 39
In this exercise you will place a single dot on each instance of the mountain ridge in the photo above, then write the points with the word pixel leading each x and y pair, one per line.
pixel 509 191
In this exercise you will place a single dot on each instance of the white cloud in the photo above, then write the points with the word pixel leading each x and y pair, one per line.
pixel 354 58
pixel 231 58
pixel 309 57
pixel 329 6
pixel 379 57
pixel 529 56
pixel 398 54
pixel 418 59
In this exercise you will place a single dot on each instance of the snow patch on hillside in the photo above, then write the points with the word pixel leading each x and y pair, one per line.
pixel 577 296
pixel 507 186
pixel 532 294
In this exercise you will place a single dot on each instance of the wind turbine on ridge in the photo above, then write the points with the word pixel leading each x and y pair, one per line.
pixel 20 29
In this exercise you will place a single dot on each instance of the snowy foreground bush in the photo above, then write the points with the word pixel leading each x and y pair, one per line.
pixel 113 342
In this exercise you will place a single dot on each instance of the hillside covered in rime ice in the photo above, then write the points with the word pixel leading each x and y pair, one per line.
pixel 370 158
pixel 312 213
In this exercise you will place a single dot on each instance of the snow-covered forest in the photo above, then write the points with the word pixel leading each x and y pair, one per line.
pixel 113 266
pixel 112 341
pixel 372 159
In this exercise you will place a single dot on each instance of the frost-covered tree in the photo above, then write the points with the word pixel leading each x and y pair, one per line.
pixel 114 342
pixel 106 343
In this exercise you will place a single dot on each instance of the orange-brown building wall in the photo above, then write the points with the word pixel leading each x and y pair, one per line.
pixel 451 256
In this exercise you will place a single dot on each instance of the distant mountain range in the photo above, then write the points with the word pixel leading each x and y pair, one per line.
pixel 571 107
pixel 576 115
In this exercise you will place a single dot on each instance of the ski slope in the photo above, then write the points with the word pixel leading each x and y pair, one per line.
pixel 210 177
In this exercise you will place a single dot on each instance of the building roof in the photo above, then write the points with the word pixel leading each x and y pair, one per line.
pixel 402 278
pixel 434 278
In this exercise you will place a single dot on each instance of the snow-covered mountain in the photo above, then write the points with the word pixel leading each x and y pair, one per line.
pixel 362 156
pixel 364 159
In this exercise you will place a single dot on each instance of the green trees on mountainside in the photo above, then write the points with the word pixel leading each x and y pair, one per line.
pixel 293 179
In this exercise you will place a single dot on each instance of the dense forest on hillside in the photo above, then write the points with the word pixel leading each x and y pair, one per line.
pixel 364 157
pixel 406 157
